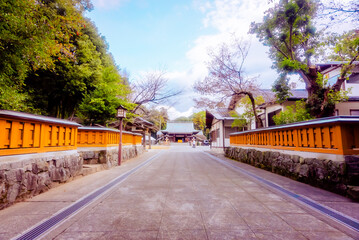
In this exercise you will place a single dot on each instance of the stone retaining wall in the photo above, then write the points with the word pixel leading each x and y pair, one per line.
pixel 27 175
pixel 109 156
pixel 338 176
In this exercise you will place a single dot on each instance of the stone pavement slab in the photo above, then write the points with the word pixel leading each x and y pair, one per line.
pixel 22 215
pixel 326 198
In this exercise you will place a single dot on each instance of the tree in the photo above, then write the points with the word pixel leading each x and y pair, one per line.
pixel 294 113
pixel 242 120
pixel 346 47
pixel 152 88
pixel 55 63
pixel 183 119
pixel 199 120
pixel 33 35
pixel 88 84
pixel 226 78
pixel 159 117
pixel 61 89
pixel 281 88
pixel 288 30
pixel 239 121
pixel 99 105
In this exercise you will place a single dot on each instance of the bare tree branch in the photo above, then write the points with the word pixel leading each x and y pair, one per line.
pixel 152 88
pixel 226 79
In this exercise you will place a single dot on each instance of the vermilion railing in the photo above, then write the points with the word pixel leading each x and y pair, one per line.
pixel 22 133
pixel 336 135
pixel 105 137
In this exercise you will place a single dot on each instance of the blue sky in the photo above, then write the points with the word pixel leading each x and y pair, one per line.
pixel 144 36
pixel 174 36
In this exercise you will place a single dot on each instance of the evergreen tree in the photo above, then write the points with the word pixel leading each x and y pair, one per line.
pixel 288 30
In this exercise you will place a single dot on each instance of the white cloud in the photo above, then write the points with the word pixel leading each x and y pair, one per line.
pixel 108 4
pixel 202 5
pixel 226 17
pixel 235 15
pixel 173 113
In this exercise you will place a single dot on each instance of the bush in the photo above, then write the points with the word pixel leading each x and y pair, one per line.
pixel 294 113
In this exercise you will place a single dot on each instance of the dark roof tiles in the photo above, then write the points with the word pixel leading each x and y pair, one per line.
pixel 180 127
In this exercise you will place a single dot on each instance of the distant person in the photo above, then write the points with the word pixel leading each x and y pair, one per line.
pixel 194 143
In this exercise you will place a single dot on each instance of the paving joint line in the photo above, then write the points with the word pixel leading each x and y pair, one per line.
pixel 327 211
pixel 44 227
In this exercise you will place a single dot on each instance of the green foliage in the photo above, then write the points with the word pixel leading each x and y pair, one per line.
pixel 241 120
pixel 324 101
pixel 246 103
pixel 10 98
pixel 346 46
pixel 337 97
pixel 290 66
pixel 22 42
pixel 54 62
pixel 159 117
pixel 183 119
pixel 33 35
pixel 199 120
pixel 238 121
pixel 294 113
pixel 100 105
pixel 321 81
pixel 60 90
pixel 281 88
pixel 288 30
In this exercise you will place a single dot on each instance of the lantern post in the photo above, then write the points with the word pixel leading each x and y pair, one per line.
pixel 121 114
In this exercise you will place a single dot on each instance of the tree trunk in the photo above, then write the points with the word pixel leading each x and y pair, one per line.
pixel 318 103
pixel 237 97
pixel 258 120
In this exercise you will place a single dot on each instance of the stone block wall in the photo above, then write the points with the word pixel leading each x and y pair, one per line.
pixel 337 176
pixel 24 176
pixel 28 175
pixel 109 156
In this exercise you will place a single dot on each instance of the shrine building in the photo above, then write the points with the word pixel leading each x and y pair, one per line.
pixel 179 131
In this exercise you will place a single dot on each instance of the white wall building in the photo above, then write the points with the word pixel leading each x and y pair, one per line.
pixel 331 72
pixel 219 121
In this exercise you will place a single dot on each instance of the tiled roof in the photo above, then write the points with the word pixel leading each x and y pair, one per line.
pixel 353 99
pixel 269 95
pixel 298 94
pixel 334 63
pixel 353 78
pixel 221 113
pixel 180 127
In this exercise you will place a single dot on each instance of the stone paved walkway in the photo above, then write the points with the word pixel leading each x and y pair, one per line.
pixel 181 195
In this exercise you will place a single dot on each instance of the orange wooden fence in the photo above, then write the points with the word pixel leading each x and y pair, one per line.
pixel 336 135
pixel 27 133
pixel 22 133
pixel 105 137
